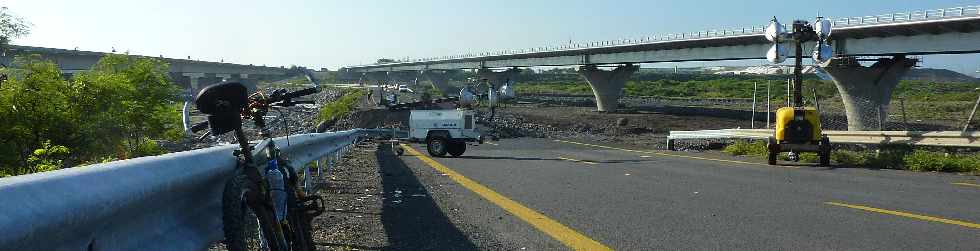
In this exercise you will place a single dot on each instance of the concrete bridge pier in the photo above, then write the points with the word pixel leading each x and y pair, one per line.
pixel 607 86
pixel 197 80
pixel 440 81
pixel 180 79
pixel 403 77
pixel 251 82
pixel 867 91
pixel 377 77
pixel 193 82
pixel 223 77
pixel 500 78
pixel 348 76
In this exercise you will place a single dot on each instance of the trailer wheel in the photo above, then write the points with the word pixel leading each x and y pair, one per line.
pixel 456 148
pixel 773 150
pixel 437 146
pixel 825 151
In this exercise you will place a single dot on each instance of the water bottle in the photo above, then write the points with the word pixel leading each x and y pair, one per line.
pixel 277 189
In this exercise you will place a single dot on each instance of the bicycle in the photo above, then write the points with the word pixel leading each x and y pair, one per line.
pixel 261 206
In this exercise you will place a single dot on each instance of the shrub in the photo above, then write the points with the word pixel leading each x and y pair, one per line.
pixel 888 158
pixel 146 147
pixel 850 158
pixel 925 161
pixel 106 111
pixel 809 157
pixel 754 148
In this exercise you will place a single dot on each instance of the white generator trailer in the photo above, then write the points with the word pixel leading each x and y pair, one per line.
pixel 444 131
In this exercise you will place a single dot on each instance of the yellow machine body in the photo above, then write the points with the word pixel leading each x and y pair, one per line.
pixel 799 125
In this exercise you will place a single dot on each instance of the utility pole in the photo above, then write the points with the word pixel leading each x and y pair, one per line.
pixel 768 103
pixel 755 89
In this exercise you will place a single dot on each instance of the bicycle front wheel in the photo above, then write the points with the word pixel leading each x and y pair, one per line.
pixel 248 227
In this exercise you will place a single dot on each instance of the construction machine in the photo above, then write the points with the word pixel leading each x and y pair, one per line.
pixel 798 127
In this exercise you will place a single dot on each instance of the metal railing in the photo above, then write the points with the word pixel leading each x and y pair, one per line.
pixel 903 17
pixel 928 138
pixel 911 16
pixel 165 202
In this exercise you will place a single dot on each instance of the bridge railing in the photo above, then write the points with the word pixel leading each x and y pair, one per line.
pixel 904 17
pixel 911 16
pixel 166 202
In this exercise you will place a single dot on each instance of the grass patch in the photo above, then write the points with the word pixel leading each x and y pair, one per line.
pixel 753 148
pixel 340 107
pixel 925 161
pixel 888 157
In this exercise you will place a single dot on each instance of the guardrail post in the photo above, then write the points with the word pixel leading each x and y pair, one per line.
pixel 319 168
pixel 331 162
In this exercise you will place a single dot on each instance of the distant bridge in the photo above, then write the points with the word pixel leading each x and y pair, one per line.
pixel 940 31
pixel 190 74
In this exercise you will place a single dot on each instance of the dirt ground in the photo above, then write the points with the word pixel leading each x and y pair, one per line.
pixel 647 128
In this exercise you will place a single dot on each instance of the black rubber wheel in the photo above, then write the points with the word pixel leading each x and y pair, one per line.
pixel 299 227
pixel 457 148
pixel 825 151
pixel 437 146
pixel 399 150
pixel 299 219
pixel 241 222
pixel 773 151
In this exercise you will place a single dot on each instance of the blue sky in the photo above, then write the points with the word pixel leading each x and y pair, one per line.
pixel 333 33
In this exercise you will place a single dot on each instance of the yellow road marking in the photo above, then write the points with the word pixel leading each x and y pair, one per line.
pixel 909 215
pixel 578 160
pixel 491 143
pixel 966 184
pixel 670 155
pixel 563 234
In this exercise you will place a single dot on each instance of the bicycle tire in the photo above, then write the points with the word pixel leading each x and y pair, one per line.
pixel 300 238
pixel 242 227
pixel 299 225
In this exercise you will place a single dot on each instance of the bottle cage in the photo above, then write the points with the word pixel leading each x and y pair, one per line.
pixel 223 103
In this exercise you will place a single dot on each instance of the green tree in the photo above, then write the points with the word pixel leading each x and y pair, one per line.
pixel 109 112
pixel 32 110
pixel 11 27
pixel 130 100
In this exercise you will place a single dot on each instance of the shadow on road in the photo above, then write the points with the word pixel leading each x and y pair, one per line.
pixel 411 218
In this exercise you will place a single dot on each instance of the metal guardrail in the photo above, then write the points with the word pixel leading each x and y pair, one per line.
pixel 926 138
pixel 165 202
pixel 843 22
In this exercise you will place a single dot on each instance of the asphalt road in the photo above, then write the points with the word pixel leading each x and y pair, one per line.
pixel 626 199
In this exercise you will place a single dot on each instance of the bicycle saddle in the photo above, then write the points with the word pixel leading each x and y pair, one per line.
pixel 223 103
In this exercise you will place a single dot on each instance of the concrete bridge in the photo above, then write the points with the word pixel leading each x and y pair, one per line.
pixel 190 74
pixel 887 39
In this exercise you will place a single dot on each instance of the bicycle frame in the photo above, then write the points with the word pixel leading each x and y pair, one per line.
pixel 258 195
